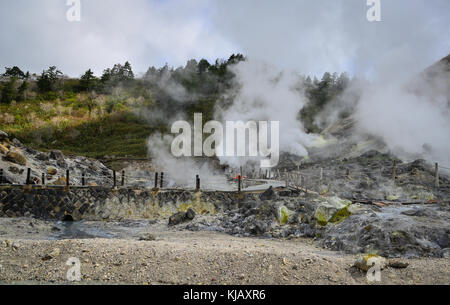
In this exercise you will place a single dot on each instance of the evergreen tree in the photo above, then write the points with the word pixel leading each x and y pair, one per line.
pixel 14 72
pixel 88 81
pixel 203 66
pixel 48 79
pixel 127 73
pixel 9 92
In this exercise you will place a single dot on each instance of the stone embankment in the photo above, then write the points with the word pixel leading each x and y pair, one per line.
pixel 101 203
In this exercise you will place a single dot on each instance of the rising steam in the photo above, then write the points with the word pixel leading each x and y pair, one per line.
pixel 412 117
pixel 265 93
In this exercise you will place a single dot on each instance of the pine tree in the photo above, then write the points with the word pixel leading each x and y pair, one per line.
pixel 87 81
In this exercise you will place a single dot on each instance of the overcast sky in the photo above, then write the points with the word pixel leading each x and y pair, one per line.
pixel 311 36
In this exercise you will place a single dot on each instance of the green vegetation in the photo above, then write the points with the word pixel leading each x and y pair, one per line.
pixel 320 94
pixel 79 125
pixel 114 114
pixel 111 115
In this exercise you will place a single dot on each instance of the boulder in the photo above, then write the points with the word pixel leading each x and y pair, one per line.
pixel 181 217
pixel 190 214
pixel 368 261
pixel 59 157
pixel 56 155
pixel 42 156
pixel 3 149
pixel 446 253
pixel 54 253
pixel 14 170
pixel 333 210
pixel 61 163
pixel 3 135
pixel 31 151
pixel 177 218
pixel 284 214
pixel 52 171
pixel 16 157
pixel 269 194
pixel 16 142
pixel 396 264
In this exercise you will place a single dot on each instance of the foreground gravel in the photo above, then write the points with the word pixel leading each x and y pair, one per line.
pixel 198 258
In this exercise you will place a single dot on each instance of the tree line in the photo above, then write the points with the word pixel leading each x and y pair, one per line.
pixel 196 87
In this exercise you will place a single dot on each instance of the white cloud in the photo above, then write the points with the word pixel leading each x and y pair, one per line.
pixel 111 31
pixel 311 36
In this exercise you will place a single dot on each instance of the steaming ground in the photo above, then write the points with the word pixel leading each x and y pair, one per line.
pixel 249 243
pixel 183 257
pixel 279 238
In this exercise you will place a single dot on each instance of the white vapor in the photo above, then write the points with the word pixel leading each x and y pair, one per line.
pixel 412 119
pixel 266 93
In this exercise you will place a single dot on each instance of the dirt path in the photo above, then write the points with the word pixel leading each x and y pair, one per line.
pixel 199 258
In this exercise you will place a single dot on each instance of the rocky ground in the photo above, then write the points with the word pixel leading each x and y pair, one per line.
pixel 352 212
pixel 16 158
pixel 392 230
pixel 200 258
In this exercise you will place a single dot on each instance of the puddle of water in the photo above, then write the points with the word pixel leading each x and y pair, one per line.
pixel 99 229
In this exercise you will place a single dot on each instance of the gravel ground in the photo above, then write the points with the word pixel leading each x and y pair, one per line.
pixel 198 258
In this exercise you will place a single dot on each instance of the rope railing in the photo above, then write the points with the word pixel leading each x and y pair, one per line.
pixel 300 177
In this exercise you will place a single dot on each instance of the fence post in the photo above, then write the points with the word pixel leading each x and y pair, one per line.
pixel 114 179
pixel 28 175
pixel 123 178
pixel 436 175
pixel 83 179
pixel 286 176
pixel 306 185
pixel 156 180
pixel 321 174
pixel 67 178
pixel 394 170
pixel 1 175
pixel 162 180
pixel 239 183
pixel 43 179
pixel 197 183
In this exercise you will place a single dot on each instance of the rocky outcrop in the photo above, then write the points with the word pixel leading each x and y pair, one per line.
pixel 181 217
pixel 332 210
pixel 392 231
pixel 15 159
pixel 3 149
pixel 3 135
pixel 269 194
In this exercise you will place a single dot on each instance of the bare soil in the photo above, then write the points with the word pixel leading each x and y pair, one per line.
pixel 181 257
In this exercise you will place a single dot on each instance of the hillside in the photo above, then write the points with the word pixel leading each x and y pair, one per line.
pixel 69 127
pixel 111 115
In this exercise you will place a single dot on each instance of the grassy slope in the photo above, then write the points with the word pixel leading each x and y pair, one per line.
pixel 70 128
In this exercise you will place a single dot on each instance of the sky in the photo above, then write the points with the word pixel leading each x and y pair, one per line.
pixel 308 36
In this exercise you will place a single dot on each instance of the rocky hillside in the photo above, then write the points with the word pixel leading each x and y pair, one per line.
pixel 15 159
